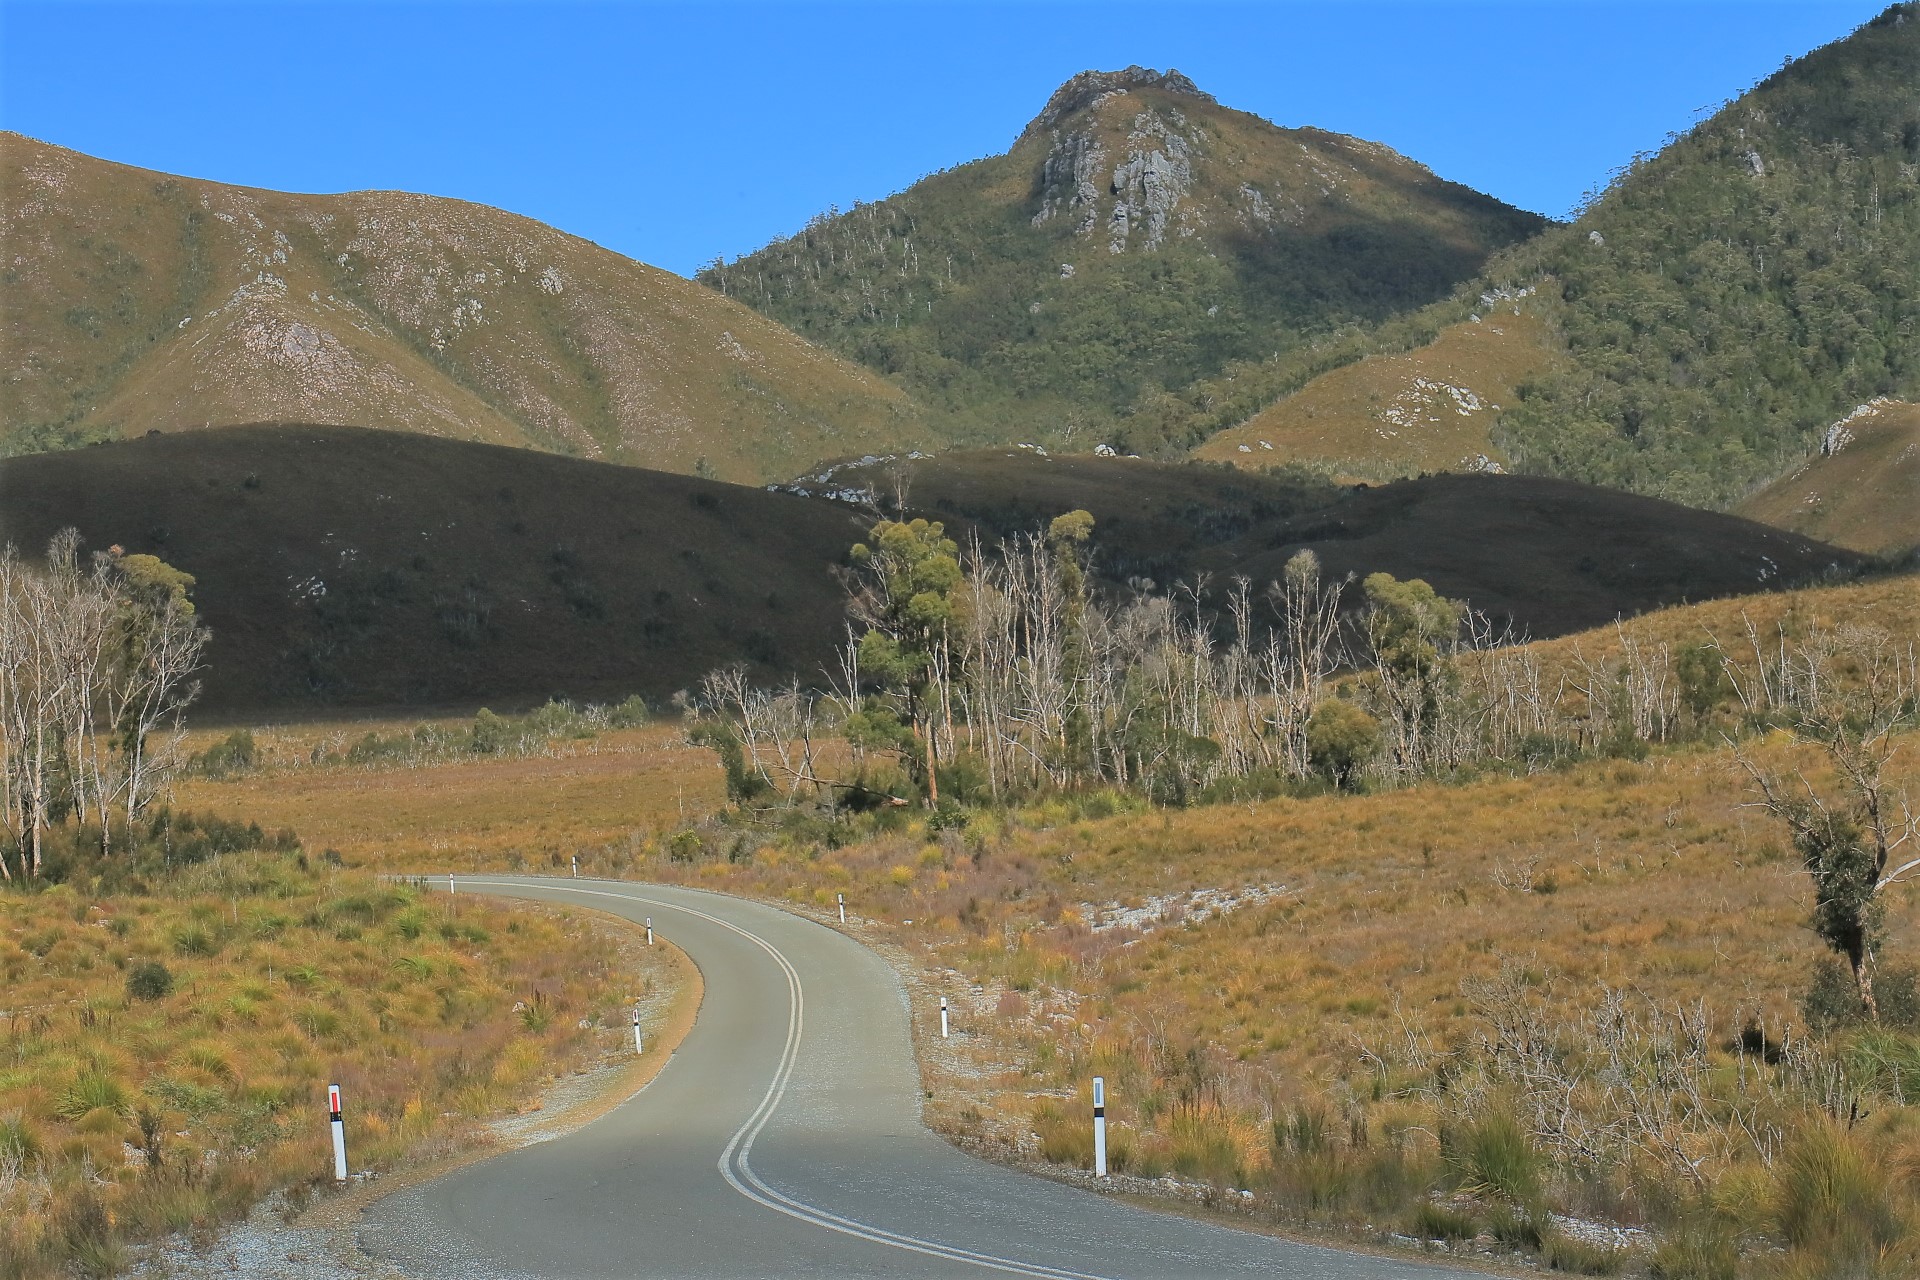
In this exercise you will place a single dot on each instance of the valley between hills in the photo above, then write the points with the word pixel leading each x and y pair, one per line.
pixel 1418 697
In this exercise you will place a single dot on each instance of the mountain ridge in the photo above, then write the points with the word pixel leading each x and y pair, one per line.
pixel 138 300
pixel 1692 335
pixel 1136 236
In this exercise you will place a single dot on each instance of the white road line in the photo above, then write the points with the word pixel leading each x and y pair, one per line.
pixel 748 1183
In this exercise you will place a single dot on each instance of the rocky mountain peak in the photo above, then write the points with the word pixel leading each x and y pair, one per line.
pixel 1086 87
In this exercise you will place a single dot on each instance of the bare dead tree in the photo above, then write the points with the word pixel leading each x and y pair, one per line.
pixel 95 671
pixel 1852 691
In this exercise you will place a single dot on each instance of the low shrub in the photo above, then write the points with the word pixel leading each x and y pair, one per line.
pixel 149 980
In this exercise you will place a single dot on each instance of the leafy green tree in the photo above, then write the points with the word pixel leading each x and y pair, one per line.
pixel 1410 630
pixel 1704 685
pixel 744 783
pixel 903 591
pixel 1341 739
pixel 154 583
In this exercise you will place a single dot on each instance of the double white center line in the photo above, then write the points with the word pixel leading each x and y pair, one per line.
pixel 734 1165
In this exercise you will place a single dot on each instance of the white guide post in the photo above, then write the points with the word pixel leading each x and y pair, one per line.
pixel 638 1047
pixel 339 1128
pixel 449 882
pixel 843 906
pixel 943 1017
pixel 1099 1126
pixel 649 930
pixel 576 866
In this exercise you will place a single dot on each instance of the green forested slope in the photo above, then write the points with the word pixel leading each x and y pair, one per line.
pixel 1725 300
pixel 1137 237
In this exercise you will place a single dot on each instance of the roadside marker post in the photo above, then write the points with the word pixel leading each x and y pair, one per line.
pixel 638 1047
pixel 1099 1126
pixel 449 882
pixel 649 930
pixel 576 866
pixel 339 1128
pixel 843 906
pixel 943 1017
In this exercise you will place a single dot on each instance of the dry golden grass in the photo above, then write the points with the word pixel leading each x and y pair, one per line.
pixel 1318 995
pixel 1866 496
pixel 1890 604
pixel 530 812
pixel 1393 415
pixel 432 1013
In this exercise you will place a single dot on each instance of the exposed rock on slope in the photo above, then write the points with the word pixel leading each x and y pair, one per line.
pixel 1401 414
pixel 1862 490
pixel 1138 236
pixel 136 301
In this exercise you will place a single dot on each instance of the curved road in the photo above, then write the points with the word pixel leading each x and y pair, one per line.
pixel 784 1139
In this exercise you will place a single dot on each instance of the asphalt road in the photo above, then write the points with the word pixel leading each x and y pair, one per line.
pixel 784 1139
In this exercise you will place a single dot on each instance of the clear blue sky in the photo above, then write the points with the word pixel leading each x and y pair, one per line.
pixel 675 132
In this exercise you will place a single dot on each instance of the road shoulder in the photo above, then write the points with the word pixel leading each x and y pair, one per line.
pixel 315 1236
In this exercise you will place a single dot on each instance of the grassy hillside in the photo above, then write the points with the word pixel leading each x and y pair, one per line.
pixel 135 301
pixel 1862 490
pixel 1402 413
pixel 350 567
pixel 1136 237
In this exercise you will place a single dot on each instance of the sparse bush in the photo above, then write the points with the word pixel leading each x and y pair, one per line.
pixel 1698 1248
pixel 1303 1131
pixel 1580 1257
pixel 630 713
pixel 1063 1139
pixel 230 757
pixel 149 980
pixel 1832 999
pixel 536 1013
pixel 18 1142
pixel 491 733
pixel 85 1229
pixel 1201 1144
pixel 193 940
pixel 91 1091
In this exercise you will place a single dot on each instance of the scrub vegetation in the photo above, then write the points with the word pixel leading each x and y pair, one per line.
pixel 171 1030
pixel 1568 1005
pixel 180 988
pixel 340 567
pixel 1612 1004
